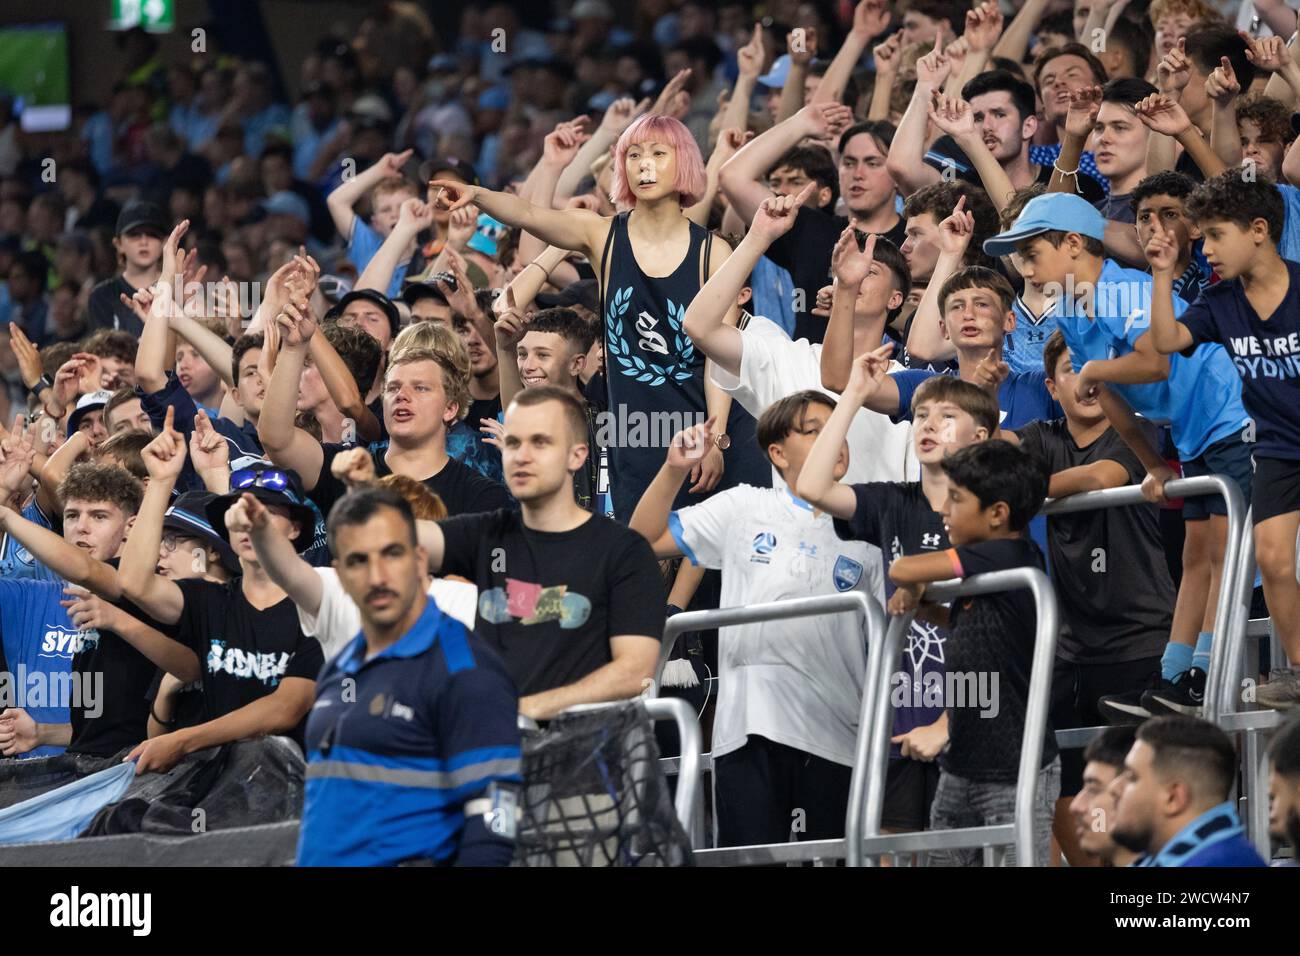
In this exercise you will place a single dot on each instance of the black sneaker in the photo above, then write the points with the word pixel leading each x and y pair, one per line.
pixel 1184 696
pixel 1128 707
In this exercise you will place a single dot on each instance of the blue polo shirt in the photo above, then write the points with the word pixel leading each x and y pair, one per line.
pixel 397 744
pixel 1201 398
pixel 1215 838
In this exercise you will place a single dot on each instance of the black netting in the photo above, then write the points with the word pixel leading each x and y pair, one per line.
pixel 595 795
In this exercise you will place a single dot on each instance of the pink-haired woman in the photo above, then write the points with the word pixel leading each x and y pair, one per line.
pixel 651 261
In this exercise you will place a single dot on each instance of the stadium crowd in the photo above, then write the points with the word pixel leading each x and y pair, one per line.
pixel 493 352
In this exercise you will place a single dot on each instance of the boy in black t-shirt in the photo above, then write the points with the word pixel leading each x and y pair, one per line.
pixel 1254 313
pixel 423 394
pixel 902 518
pixel 258 668
pixel 572 601
pixel 993 491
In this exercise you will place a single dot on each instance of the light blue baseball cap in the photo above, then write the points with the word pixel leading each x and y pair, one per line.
pixel 775 78
pixel 1050 212
pixel 487 234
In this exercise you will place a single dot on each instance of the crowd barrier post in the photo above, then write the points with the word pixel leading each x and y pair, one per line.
pixel 1020 832
pixel 854 602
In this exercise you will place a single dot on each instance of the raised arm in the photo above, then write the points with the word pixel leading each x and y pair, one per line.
pixel 850 266
pixel 887 56
pixel 650 520
pixel 511 326
pixel 1014 43
pixel 870 20
pixel 729 140
pixel 161 599
pixel 1222 88
pixel 286 444
pixel 67 561
pixel 906 160
pixel 1173 73
pixel 816 484
pixel 704 319
pixel 1167 335
pixel 982 31
pixel 276 553
pixel 579 230
pixel 1079 121
pixel 926 340
pixel 1163 116
pixel 617 118
pixel 1270 54
pixel 349 193
pixel 801 47
pixel 743 178
pixel 414 216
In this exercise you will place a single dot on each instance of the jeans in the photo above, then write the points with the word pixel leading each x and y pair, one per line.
pixel 960 803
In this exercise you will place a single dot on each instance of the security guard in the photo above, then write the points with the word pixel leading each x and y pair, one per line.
pixel 412 744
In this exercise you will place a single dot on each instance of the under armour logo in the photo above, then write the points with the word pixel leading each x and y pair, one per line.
pixel 650 341
pixel 930 540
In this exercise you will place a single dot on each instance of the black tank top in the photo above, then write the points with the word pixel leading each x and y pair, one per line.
pixel 654 371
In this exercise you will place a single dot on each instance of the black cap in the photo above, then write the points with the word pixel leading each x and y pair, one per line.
pixel 379 299
pixel 141 214
pixel 418 291
pixel 583 292
pixel 289 495
pixel 452 164
pixel 188 516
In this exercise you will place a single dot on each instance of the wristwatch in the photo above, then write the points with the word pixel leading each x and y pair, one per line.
pixel 722 442
pixel 44 383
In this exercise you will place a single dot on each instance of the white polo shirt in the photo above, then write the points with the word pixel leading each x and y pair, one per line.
pixel 772 367
pixel 795 682
pixel 338 620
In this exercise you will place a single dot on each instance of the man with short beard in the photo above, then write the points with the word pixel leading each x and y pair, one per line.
pixel 1172 800
pixel 433 773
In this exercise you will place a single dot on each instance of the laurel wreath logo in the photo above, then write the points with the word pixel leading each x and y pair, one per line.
pixel 633 365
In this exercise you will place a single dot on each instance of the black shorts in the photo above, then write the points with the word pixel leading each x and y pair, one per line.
pixel 909 791
pixel 1076 688
pixel 1230 458
pixel 1277 488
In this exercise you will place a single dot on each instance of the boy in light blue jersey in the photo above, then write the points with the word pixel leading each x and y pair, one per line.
pixel 1104 312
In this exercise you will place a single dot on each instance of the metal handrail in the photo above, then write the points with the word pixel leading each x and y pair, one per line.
pixel 876 742
pixel 1225 623
pixel 874 628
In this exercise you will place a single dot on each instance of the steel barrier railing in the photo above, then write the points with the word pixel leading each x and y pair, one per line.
pixel 873 743
pixel 1237 518
pixel 1222 709
pixel 874 629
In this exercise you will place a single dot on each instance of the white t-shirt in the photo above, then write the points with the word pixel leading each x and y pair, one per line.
pixel 772 367
pixel 339 620
pixel 796 682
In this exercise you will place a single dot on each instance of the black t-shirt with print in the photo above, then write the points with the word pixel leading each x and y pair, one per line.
pixel 462 489
pixel 550 601
pixel 243 652
pixel 805 252
pixel 897 518
pixel 1108 566
pixel 124 675
pixel 993 634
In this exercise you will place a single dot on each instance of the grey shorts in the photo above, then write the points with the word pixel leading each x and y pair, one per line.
pixel 960 803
